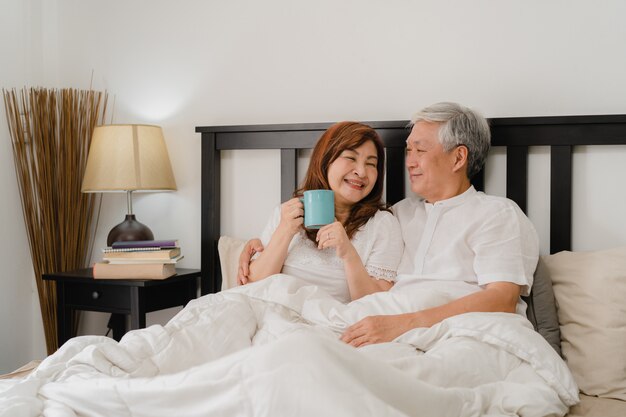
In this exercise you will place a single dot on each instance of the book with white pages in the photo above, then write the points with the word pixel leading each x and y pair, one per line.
pixel 127 261
pixel 154 254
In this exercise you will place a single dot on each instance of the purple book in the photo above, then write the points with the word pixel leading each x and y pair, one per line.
pixel 146 244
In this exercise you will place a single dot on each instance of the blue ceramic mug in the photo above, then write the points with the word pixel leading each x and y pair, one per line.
pixel 319 208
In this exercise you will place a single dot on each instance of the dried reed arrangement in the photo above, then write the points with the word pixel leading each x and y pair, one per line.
pixel 51 132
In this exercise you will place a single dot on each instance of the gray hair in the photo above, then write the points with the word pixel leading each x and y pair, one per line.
pixel 460 126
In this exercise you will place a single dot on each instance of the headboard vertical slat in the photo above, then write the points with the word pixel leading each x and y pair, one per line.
pixel 393 135
pixel 478 180
pixel 394 175
pixel 211 280
pixel 517 175
pixel 560 198
pixel 288 173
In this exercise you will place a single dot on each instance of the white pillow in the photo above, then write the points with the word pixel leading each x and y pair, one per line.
pixel 590 292
pixel 229 249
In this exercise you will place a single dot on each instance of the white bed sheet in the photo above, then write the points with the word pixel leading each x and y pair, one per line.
pixel 272 348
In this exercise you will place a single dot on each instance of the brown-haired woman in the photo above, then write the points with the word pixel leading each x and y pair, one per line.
pixel 359 253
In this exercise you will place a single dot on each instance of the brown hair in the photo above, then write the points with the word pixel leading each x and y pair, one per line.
pixel 335 140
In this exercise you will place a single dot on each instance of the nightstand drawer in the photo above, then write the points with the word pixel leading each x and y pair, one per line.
pixel 78 290
pixel 93 296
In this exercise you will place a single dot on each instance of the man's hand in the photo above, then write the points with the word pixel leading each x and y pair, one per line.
pixel 243 272
pixel 377 329
pixel 496 297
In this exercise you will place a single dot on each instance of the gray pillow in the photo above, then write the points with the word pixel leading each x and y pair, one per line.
pixel 541 309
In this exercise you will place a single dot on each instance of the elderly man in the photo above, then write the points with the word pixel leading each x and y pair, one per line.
pixel 481 250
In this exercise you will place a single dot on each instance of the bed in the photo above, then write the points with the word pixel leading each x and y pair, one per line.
pixel 562 134
pixel 190 367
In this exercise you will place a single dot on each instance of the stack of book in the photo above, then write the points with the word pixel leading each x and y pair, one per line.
pixel 141 259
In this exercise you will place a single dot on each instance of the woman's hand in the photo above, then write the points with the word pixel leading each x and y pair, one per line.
pixel 291 216
pixel 359 281
pixel 334 236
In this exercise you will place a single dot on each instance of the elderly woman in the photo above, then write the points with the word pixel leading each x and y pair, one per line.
pixel 359 253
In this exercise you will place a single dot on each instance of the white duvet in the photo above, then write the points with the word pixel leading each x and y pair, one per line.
pixel 272 349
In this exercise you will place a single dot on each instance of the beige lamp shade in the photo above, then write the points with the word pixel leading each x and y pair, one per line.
pixel 128 158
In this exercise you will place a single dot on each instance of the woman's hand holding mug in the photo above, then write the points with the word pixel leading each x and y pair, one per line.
pixel 334 236
pixel 291 216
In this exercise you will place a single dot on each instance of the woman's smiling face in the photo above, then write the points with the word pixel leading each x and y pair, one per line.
pixel 353 174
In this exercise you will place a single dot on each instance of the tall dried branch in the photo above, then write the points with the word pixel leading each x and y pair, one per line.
pixel 51 133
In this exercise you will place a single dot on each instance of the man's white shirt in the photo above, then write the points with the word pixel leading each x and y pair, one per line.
pixel 460 244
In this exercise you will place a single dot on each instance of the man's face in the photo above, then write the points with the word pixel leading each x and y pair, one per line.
pixel 430 168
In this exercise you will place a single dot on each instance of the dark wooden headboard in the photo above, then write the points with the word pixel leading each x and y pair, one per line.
pixel 561 133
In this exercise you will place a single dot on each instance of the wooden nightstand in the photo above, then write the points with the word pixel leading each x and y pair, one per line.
pixel 78 290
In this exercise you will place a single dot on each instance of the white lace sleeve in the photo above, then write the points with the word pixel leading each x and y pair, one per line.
pixel 381 273
pixel 383 261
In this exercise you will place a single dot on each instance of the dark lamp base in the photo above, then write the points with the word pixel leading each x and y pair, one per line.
pixel 129 229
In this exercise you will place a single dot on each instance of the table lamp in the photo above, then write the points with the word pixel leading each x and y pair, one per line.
pixel 127 158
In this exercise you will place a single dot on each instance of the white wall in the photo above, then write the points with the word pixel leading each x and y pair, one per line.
pixel 199 62
pixel 20 320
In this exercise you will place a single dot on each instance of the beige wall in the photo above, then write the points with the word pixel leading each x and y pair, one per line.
pixel 199 62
